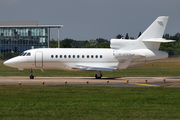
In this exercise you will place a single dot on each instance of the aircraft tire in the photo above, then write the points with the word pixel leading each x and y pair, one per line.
pixel 98 77
pixel 31 77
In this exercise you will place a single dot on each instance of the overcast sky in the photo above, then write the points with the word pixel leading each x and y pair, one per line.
pixel 91 19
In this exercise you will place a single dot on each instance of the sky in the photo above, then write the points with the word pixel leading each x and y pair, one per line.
pixel 91 19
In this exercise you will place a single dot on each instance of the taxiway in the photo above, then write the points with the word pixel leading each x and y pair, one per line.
pixel 90 81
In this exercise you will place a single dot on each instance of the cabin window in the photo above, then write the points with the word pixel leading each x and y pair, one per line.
pixel 73 56
pixel 100 56
pixel 92 56
pixel 56 56
pixel 96 56
pixel 64 56
pixel 60 56
pixel 77 56
pixel 82 56
pixel 52 56
pixel 28 54
pixel 87 56
pixel 69 56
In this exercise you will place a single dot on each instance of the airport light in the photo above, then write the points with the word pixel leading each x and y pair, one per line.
pixel 107 81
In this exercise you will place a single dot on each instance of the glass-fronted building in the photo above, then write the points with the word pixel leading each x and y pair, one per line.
pixel 18 36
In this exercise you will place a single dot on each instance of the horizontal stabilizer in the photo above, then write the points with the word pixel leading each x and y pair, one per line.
pixel 126 63
pixel 161 40
pixel 93 68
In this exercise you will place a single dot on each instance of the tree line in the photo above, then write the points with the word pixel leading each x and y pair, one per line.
pixel 172 48
pixel 70 43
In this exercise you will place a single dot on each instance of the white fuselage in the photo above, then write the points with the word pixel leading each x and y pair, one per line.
pixel 68 58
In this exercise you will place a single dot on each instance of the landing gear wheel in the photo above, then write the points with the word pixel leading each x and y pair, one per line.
pixel 98 77
pixel 31 77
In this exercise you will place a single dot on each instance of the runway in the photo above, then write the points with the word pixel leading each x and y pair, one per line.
pixel 91 81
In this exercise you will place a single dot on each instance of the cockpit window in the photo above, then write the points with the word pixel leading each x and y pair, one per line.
pixel 24 54
pixel 21 54
pixel 28 54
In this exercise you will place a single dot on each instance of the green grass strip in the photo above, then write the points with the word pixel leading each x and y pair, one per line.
pixel 90 103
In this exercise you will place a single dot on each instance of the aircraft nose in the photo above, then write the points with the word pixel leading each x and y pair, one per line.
pixel 10 62
pixel 6 63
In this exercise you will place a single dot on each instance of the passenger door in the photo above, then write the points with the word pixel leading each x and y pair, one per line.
pixel 39 59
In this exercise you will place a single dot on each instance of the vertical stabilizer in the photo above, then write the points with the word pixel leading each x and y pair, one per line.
pixel 151 38
pixel 156 29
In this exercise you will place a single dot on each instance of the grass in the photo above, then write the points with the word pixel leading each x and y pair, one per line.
pixel 93 103
pixel 159 68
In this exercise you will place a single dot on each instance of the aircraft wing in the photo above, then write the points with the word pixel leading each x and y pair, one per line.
pixel 126 63
pixel 93 68
pixel 122 66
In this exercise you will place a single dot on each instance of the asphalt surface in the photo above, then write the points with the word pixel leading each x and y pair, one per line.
pixel 91 81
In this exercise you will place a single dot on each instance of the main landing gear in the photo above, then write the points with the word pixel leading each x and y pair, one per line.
pixel 98 75
pixel 31 76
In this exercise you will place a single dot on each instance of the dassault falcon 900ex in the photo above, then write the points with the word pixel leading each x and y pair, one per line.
pixel 122 54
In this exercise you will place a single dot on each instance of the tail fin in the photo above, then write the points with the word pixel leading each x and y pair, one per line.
pixel 156 29
pixel 151 38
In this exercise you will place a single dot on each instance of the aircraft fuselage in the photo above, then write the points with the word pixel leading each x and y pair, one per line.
pixel 68 58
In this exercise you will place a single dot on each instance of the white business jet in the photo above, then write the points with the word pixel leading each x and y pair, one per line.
pixel 122 54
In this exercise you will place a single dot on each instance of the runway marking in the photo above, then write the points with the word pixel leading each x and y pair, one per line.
pixel 171 84
pixel 145 84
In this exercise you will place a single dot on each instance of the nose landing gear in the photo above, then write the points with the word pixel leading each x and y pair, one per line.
pixel 31 76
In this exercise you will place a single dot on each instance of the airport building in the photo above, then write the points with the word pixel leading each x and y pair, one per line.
pixel 18 36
